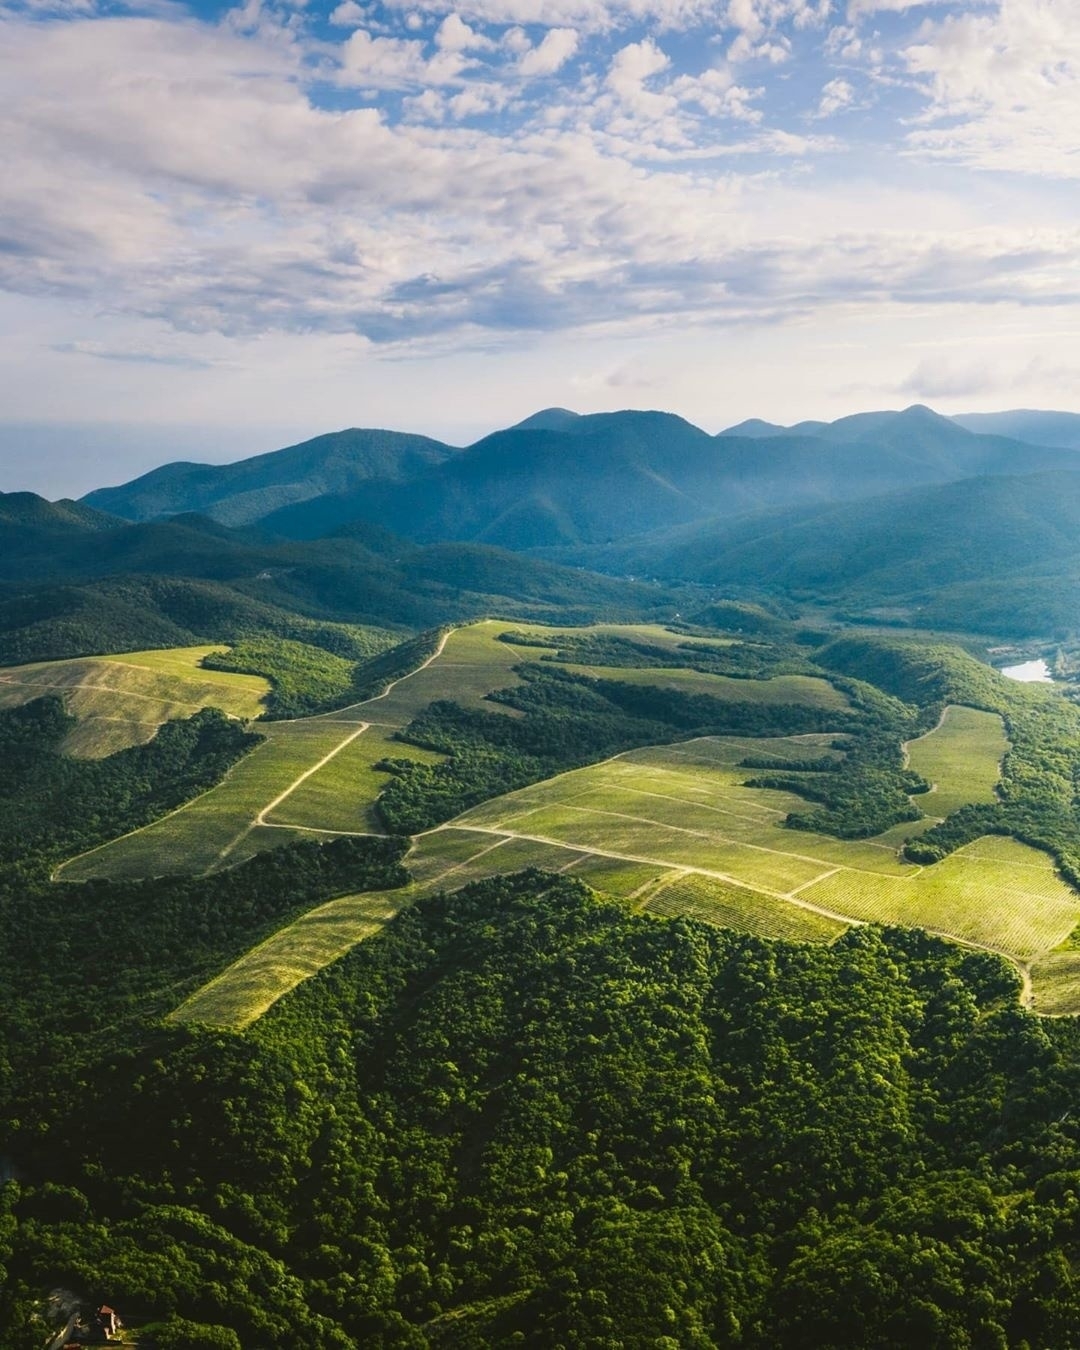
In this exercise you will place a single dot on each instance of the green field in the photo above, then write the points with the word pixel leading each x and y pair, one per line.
pixel 805 689
pixel 672 829
pixel 249 986
pixel 207 831
pixel 121 701
pixel 729 906
pixel 961 758
pixel 684 806
pixel 229 822
pixel 240 815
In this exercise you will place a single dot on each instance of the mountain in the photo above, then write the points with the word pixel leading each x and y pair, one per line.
pixel 756 429
pixel 1060 429
pixel 992 554
pixel 238 494
pixel 560 479
pixel 74 582
pixel 616 475
pixel 549 419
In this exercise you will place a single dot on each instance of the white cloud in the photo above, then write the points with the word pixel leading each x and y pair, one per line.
pixel 557 47
pixel 455 35
pixel 216 198
pixel 1005 87
pixel 348 15
pixel 835 97
pixel 857 9
pixel 397 63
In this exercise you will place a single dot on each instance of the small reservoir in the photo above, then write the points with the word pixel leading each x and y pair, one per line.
pixel 1030 672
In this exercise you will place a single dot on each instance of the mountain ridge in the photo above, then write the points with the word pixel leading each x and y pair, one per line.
pixel 561 478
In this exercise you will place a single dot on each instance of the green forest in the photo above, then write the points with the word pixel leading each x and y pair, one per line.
pixel 523 1114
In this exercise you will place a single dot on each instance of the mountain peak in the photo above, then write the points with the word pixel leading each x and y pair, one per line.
pixel 548 419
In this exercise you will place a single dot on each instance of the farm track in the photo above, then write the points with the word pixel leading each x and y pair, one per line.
pixel 671 870
pixel 789 897
pixel 688 868
pixel 260 819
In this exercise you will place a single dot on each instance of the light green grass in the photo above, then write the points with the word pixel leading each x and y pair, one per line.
pixel 434 854
pixel 652 634
pixel 727 906
pixel 201 835
pixel 243 993
pixel 626 881
pixel 217 829
pixel 341 795
pixel 1056 979
pixel 121 701
pixel 803 689
pixel 961 757
pixel 994 892
pixel 684 806
pixel 473 664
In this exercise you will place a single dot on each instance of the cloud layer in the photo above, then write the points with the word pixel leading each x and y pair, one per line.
pixel 423 176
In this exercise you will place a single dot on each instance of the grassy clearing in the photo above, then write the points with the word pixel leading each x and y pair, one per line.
pixel 198 836
pixel 1056 978
pixel 210 831
pixel 121 701
pixel 341 795
pixel 444 859
pixel 684 806
pixel 472 664
pixel 995 892
pixel 626 881
pixel 803 689
pixel 718 902
pixel 961 757
pixel 243 993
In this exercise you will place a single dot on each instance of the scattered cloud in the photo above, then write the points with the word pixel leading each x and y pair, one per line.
pixel 408 177
pixel 97 351
pixel 551 54
pixel 837 95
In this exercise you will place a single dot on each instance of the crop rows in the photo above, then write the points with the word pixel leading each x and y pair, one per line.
pixel 717 902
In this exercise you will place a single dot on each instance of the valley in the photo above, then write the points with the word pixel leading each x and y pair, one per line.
pixel 477 940
pixel 671 829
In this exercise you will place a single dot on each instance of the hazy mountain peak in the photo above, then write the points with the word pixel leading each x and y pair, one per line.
pixel 548 419
pixel 754 428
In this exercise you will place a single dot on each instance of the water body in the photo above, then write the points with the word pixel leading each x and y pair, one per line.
pixel 1030 672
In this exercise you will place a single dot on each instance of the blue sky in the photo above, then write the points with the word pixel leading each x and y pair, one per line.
pixel 224 227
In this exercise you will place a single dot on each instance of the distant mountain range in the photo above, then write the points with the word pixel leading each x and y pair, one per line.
pixel 904 514
pixel 560 479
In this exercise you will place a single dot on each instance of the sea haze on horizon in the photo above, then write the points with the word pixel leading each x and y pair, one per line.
pixel 58 460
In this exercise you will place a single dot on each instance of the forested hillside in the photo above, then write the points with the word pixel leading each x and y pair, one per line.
pixel 524 1116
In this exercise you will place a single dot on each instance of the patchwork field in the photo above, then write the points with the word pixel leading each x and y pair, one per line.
pixel 670 829
pixel 317 775
pixel 121 701
pixel 804 689
pixel 685 805
pixel 313 776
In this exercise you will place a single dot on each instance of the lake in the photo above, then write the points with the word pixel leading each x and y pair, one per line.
pixel 1030 672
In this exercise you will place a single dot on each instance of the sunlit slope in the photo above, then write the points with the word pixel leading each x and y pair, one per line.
pixel 314 775
pixel 686 806
pixel 805 689
pixel 317 775
pixel 673 831
pixel 121 701
pixel 961 759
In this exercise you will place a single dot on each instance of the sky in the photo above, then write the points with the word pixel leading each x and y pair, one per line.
pixel 226 228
